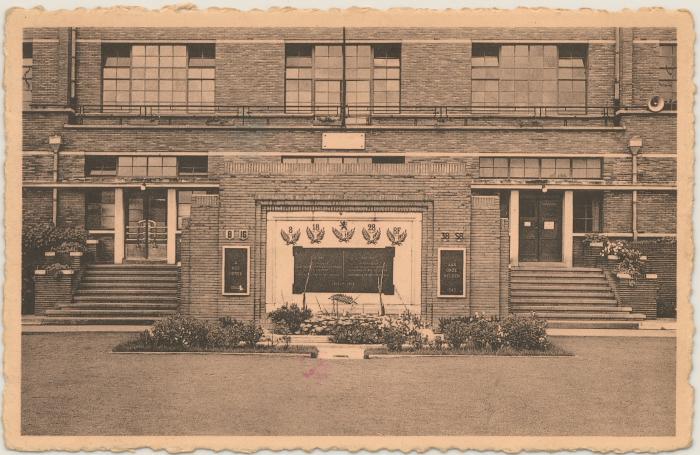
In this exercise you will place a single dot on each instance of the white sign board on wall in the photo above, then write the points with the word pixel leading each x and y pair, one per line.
pixel 343 141
pixel 352 230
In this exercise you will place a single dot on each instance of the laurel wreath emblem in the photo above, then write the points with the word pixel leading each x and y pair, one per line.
pixel 315 235
pixel 344 234
pixel 373 236
pixel 290 238
pixel 396 236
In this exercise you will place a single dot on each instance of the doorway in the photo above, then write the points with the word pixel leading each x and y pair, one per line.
pixel 540 227
pixel 146 231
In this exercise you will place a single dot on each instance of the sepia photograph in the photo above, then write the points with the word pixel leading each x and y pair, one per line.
pixel 348 229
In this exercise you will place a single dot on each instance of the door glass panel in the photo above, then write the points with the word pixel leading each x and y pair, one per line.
pixel 146 225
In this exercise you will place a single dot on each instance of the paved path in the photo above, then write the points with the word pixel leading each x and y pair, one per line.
pixel 73 385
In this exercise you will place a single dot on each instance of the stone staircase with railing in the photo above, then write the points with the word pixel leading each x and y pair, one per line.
pixel 578 297
pixel 126 294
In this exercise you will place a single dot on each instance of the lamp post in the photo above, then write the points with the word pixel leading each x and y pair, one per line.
pixel 635 145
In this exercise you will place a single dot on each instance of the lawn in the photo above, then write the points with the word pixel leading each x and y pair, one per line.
pixel 73 385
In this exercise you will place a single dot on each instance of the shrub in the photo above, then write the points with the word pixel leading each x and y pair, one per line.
pixel 251 333
pixel 485 333
pixel 180 331
pixel 357 330
pixel 288 318
pixel 225 336
pixel 456 333
pixel 394 338
pixel 525 333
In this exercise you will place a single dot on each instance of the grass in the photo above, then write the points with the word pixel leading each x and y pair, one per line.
pixel 613 386
pixel 553 350
pixel 140 346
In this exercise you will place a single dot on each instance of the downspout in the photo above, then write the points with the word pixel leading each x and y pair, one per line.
pixel 72 68
pixel 635 145
pixel 54 196
pixel 618 65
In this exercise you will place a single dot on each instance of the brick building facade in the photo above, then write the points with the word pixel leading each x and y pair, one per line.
pixel 449 162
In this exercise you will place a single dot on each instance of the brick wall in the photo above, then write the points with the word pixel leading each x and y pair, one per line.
pixel 656 212
pixel 504 277
pixel 485 256
pixel 437 190
pixel 425 80
pixel 71 208
pixel 36 205
pixel 601 74
pixel 51 291
pixel 250 74
pixel 617 211
pixel 37 167
pixel 88 69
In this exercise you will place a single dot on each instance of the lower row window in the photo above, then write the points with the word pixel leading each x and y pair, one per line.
pixel 588 211
pixel 550 168
pixel 344 159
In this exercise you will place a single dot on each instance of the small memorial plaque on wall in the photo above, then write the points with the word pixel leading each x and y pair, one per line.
pixel 451 265
pixel 236 270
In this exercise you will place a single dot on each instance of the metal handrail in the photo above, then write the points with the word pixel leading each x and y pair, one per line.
pixel 335 111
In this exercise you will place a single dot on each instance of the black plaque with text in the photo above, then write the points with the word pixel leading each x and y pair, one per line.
pixel 343 270
pixel 236 270
pixel 452 273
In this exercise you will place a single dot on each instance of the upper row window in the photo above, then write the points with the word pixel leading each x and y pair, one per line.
pixel 529 75
pixel 315 76
pixel 546 168
pixel 167 76
pixel 668 73
pixel 27 60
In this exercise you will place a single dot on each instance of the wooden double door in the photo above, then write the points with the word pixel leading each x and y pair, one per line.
pixel 540 227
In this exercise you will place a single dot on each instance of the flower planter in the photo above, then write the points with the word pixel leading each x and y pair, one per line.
pixel 52 291
pixel 596 244
pixel 624 276
pixel 613 257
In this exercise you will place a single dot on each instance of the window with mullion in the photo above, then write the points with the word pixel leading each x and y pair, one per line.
pixel 485 78
pixel 667 72
pixel 116 76
pixel 386 78
pixel 328 74
pixel 27 56
pixel 99 209
pixel 299 78
pixel 572 77
pixel 358 63
pixel 147 166
pixel 201 77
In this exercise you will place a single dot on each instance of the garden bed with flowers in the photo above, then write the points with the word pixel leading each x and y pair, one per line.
pixel 179 333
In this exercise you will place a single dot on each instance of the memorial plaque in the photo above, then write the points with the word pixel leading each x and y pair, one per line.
pixel 343 270
pixel 451 273
pixel 236 270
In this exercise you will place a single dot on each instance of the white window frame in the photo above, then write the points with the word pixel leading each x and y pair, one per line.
pixel 464 272
pixel 223 270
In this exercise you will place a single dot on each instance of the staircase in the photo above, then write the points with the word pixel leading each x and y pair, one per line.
pixel 578 297
pixel 128 294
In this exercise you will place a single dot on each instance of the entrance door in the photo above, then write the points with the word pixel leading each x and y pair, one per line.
pixel 540 227
pixel 146 233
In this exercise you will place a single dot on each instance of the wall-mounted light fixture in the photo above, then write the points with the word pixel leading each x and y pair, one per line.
pixel 635 144
pixel 544 188
pixel 143 187
pixel 55 142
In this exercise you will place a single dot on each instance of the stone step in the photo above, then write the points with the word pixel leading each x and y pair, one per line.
pixel 558 280
pixel 119 298
pixel 129 272
pixel 119 305
pixel 582 315
pixel 554 308
pixel 583 324
pixel 117 287
pixel 515 300
pixel 547 287
pixel 133 266
pixel 556 274
pixel 531 268
pixel 549 293
pixel 109 312
pixel 172 291
pixel 145 321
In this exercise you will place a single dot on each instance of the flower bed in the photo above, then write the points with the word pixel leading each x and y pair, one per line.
pixel 363 328
pixel 552 350
pixel 179 333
